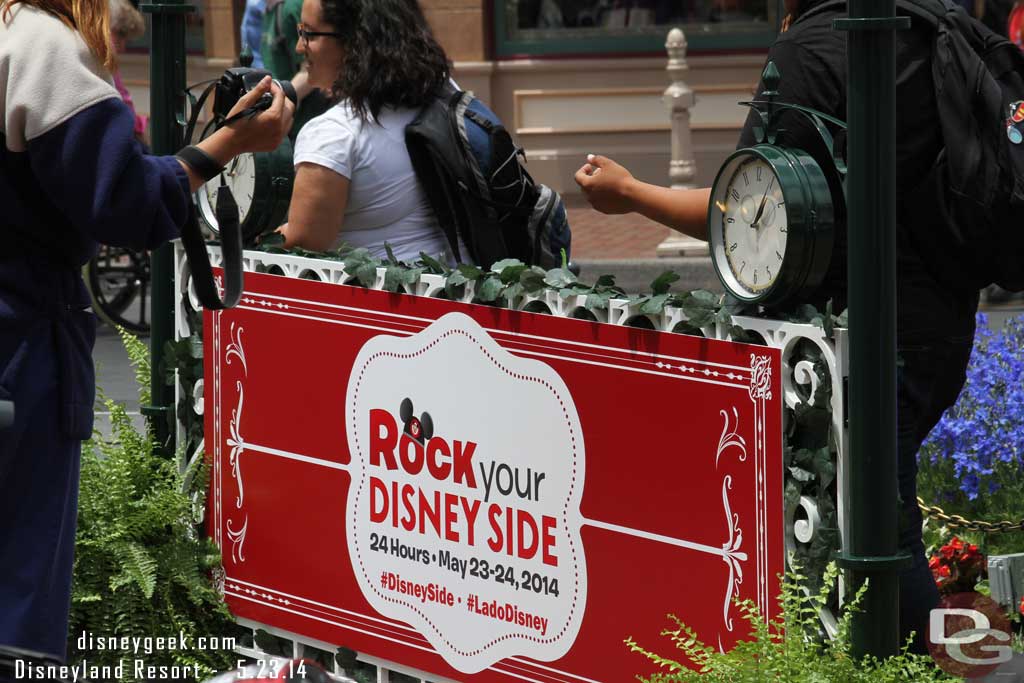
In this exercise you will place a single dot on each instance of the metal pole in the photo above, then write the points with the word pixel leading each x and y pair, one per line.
pixel 871 545
pixel 167 107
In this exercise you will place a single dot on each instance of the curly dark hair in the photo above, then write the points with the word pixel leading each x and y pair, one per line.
pixel 391 55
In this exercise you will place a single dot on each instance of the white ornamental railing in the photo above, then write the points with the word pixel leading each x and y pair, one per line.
pixel 800 381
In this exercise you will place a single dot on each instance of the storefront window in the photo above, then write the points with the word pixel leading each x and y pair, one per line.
pixel 617 26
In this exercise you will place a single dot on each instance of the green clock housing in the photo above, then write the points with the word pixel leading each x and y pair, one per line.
pixel 262 187
pixel 771 213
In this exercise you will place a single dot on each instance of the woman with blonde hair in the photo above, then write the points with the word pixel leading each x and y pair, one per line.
pixel 71 175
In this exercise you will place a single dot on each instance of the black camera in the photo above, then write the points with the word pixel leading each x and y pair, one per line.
pixel 240 80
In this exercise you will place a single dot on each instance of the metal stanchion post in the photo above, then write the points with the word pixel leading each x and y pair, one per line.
pixel 871 544
pixel 167 105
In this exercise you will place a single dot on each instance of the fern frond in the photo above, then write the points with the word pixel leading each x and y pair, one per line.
pixel 138 356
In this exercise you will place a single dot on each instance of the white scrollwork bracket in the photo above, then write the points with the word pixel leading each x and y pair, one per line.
pixel 760 377
pixel 802 530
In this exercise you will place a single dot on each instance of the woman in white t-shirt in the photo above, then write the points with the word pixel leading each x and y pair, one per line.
pixel 354 181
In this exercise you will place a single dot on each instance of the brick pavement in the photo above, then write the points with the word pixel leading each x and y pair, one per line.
pixel 597 236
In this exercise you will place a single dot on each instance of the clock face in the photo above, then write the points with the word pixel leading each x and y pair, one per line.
pixel 240 176
pixel 753 224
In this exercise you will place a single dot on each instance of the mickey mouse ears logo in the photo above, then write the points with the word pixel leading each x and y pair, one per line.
pixel 419 429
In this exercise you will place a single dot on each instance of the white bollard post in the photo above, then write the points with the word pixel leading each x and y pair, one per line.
pixel 679 98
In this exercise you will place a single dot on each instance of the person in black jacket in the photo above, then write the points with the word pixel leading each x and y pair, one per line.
pixel 936 315
pixel 72 175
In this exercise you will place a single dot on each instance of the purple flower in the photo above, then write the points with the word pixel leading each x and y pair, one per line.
pixel 984 431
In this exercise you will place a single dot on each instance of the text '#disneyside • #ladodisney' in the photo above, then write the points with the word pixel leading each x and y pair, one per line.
pixel 451 516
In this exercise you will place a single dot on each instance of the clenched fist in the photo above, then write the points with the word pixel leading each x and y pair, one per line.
pixel 606 184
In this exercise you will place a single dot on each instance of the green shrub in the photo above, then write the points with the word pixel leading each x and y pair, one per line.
pixel 142 569
pixel 788 649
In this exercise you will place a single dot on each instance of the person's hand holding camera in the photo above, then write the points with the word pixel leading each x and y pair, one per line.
pixel 261 132
pixel 264 131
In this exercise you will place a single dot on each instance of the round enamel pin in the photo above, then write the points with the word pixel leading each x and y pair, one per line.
pixel 1015 118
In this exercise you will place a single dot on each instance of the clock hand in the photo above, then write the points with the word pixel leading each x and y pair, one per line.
pixel 764 199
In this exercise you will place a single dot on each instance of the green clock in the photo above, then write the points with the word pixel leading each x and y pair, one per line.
pixel 262 187
pixel 771 213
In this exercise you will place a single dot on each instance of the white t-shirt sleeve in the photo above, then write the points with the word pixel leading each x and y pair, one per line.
pixel 329 140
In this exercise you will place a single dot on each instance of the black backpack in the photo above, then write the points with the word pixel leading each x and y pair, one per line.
pixel 967 217
pixel 472 173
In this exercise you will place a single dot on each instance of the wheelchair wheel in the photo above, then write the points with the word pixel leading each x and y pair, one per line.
pixel 118 283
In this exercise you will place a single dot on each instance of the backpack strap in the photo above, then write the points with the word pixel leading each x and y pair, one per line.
pixel 504 208
pixel 831 5
pixel 929 11
pixel 479 120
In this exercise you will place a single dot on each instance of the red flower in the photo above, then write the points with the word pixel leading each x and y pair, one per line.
pixel 957 566
pixel 1022 606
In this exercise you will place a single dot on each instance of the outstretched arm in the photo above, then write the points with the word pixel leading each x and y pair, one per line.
pixel 610 188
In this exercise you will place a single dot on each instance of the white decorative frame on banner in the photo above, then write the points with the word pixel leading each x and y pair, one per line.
pixel 803 521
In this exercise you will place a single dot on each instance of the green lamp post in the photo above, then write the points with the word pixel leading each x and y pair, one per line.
pixel 871 546
pixel 167 107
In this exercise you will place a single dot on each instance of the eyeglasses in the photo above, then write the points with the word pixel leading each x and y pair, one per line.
pixel 306 34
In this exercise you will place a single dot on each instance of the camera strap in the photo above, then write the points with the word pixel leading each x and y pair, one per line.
pixel 231 249
pixel 230 230
pixel 196 105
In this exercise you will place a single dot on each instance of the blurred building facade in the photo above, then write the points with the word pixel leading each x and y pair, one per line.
pixel 569 77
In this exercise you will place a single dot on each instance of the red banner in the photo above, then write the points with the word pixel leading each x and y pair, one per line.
pixel 485 494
